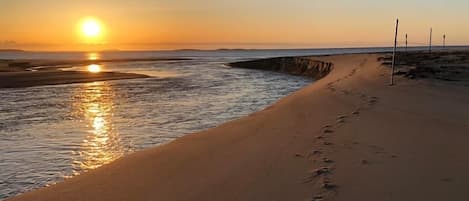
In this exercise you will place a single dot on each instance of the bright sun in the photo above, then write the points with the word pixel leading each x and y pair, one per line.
pixel 91 28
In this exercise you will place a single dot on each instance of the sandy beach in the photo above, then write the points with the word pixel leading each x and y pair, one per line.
pixel 347 136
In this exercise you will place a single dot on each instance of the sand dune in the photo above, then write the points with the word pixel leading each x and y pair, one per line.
pixel 348 136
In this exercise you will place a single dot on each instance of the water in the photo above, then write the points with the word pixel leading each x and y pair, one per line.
pixel 49 133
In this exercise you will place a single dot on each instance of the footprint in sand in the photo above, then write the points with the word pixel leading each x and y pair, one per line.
pixel 357 111
pixel 327 160
pixel 328 143
pixel 341 119
pixel 327 126
pixel 321 171
pixel 328 185
pixel 318 198
pixel 373 100
pixel 327 129
pixel 316 152
pixel 298 155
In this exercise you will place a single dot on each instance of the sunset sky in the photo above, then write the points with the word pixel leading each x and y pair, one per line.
pixel 210 24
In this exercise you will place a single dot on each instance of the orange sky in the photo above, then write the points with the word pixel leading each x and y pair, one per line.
pixel 210 24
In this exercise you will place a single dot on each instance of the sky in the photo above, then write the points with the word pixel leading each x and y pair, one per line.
pixel 212 24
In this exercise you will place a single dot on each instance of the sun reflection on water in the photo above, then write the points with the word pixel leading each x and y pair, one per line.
pixel 94 106
pixel 94 68
pixel 93 56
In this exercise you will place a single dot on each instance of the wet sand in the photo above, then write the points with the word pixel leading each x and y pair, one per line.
pixel 348 136
pixel 17 73
pixel 23 64
pixel 38 78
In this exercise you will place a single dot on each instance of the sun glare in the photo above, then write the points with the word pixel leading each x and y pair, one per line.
pixel 91 28
pixel 94 68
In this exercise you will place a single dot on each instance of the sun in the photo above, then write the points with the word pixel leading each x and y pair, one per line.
pixel 91 28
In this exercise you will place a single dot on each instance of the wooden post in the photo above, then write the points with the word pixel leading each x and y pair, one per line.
pixel 394 52
pixel 406 43
pixel 430 43
pixel 444 41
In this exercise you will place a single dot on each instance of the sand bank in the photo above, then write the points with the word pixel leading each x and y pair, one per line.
pixel 37 78
pixel 32 63
pixel 17 73
pixel 348 136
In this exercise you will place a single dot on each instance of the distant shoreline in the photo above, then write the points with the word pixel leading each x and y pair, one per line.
pixel 11 50
pixel 227 49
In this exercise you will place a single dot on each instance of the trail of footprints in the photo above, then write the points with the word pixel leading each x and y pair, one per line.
pixel 320 175
pixel 326 165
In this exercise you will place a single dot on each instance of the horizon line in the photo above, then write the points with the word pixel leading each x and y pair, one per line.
pixel 221 49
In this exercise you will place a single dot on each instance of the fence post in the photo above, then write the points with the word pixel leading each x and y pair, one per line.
pixel 394 52
pixel 406 43
pixel 430 43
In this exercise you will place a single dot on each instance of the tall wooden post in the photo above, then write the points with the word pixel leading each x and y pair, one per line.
pixel 430 42
pixel 394 52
